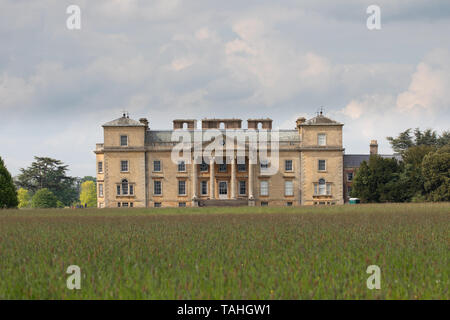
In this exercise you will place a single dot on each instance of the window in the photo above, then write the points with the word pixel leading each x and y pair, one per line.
pixel 322 165
pixel 264 203
pixel 100 167
pixel 264 165
pixel 204 187
pixel 182 187
pixel 157 165
pixel 124 166
pixel 125 204
pixel 242 188
pixel 288 188
pixel 124 187
pixel 241 167
pixel 264 188
pixel 131 204
pixel 118 204
pixel 100 189
pixel 349 176
pixel 288 165
pixel 157 205
pixel 131 189
pixel 322 139
pixel 157 188
pixel 182 204
pixel 223 167
pixel 118 190
pixel 204 166
pixel 181 166
pixel 123 141
pixel 289 204
pixel 322 188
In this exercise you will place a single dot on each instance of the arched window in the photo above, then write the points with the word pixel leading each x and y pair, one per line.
pixel 259 125
pixel 222 125
pixel 322 187
pixel 185 125
pixel 124 186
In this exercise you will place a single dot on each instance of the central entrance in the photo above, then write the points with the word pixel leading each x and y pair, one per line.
pixel 223 190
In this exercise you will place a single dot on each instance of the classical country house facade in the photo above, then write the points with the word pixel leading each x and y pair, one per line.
pixel 135 166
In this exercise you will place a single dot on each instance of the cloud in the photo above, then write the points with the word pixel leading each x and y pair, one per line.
pixel 429 87
pixel 166 59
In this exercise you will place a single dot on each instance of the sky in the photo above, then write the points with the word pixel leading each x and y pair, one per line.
pixel 168 59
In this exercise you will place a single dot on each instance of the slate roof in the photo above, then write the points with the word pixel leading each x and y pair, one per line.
pixel 321 120
pixel 124 122
pixel 355 160
pixel 164 136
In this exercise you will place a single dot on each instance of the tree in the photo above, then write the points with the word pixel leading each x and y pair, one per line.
pixel 444 139
pixel 402 142
pixel 8 193
pixel 88 194
pixel 379 180
pixel 436 174
pixel 412 173
pixel 44 198
pixel 24 198
pixel 51 174
pixel 429 137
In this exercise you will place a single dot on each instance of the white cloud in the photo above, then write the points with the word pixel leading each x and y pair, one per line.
pixel 430 84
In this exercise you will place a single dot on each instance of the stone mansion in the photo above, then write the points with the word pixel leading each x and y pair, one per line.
pixel 135 167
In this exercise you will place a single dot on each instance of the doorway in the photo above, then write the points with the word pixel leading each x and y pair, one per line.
pixel 223 190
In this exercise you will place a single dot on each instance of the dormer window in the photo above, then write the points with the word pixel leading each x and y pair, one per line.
pixel 123 141
pixel 322 139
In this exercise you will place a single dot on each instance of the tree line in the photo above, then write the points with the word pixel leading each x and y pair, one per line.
pixel 45 184
pixel 423 174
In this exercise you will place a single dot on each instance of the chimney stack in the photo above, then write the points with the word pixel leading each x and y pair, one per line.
pixel 373 147
pixel 144 121
pixel 300 121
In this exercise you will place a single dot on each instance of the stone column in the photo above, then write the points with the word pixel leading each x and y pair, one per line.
pixel 194 180
pixel 211 178
pixel 250 181
pixel 233 177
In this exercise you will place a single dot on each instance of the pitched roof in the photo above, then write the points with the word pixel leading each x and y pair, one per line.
pixel 124 122
pixel 355 160
pixel 321 120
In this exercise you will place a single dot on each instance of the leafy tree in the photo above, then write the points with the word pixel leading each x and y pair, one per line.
pixel 44 198
pixel 51 174
pixel 24 198
pixel 429 137
pixel 379 180
pixel 88 194
pixel 8 193
pixel 402 142
pixel 412 174
pixel 444 139
pixel 436 174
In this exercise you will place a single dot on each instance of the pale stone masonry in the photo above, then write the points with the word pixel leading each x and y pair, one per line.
pixel 135 169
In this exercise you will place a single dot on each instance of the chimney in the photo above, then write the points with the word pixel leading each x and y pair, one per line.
pixel 373 147
pixel 300 121
pixel 144 121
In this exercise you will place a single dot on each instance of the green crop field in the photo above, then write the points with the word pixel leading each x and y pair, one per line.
pixel 227 253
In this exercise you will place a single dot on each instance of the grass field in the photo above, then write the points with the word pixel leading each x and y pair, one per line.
pixel 227 253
